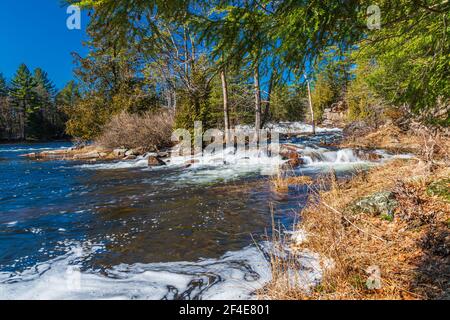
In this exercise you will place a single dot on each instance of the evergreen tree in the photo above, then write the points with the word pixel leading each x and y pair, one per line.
pixel 47 114
pixel 3 86
pixel 69 95
pixel 24 100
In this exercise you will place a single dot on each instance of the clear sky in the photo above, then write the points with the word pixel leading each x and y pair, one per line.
pixel 34 32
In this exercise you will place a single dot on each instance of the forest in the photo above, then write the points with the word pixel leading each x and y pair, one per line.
pixel 236 62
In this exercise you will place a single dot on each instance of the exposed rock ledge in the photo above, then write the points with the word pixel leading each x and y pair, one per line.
pixel 90 153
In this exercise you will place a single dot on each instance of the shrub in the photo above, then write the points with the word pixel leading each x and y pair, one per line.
pixel 149 130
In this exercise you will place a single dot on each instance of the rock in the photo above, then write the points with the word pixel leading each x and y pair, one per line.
pixel 134 152
pixel 163 154
pixel 29 155
pixel 191 162
pixel 294 161
pixel 130 157
pixel 84 156
pixel 119 152
pixel 380 203
pixel 358 129
pixel 155 161
pixel 368 155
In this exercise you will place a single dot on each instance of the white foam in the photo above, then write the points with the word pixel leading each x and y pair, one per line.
pixel 31 149
pixel 236 275
pixel 319 158
pixel 289 127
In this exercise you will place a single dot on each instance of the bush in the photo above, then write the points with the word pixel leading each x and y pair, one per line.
pixel 149 130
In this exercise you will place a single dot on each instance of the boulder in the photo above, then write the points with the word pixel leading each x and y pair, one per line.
pixel 377 204
pixel 134 152
pixel 294 161
pixel 119 152
pixel 155 161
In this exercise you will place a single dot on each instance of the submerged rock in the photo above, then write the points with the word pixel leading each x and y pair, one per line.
pixel 380 203
pixel 154 161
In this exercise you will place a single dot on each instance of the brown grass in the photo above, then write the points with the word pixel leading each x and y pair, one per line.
pixel 281 181
pixel 411 252
pixel 421 141
pixel 149 131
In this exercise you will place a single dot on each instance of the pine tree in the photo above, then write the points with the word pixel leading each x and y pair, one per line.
pixel 45 91
pixel 24 100
pixel 3 86
pixel 69 95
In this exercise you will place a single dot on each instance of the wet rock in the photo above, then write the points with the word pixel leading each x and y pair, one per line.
pixel 189 163
pixel 294 161
pixel 130 157
pixel 378 204
pixel 154 161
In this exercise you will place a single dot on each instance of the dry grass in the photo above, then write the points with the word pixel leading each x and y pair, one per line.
pixel 281 181
pixel 149 131
pixel 424 142
pixel 411 252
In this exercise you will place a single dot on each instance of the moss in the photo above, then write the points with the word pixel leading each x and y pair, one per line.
pixel 379 203
pixel 387 217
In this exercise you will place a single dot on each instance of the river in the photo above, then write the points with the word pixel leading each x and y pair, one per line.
pixel 121 230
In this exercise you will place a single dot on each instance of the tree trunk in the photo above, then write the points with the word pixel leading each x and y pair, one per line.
pixel 257 103
pixel 311 109
pixel 226 115
pixel 269 94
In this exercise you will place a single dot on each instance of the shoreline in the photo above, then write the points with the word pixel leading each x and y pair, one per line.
pixel 386 230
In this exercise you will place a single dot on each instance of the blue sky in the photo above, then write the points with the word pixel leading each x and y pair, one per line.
pixel 34 32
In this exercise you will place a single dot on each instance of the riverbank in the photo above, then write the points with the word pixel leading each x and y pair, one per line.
pixel 384 233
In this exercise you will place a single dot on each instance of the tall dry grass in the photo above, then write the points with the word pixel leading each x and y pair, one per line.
pixel 149 131
pixel 411 253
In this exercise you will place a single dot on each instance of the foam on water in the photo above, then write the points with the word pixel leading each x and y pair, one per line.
pixel 31 149
pixel 224 165
pixel 289 127
pixel 321 158
pixel 236 275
